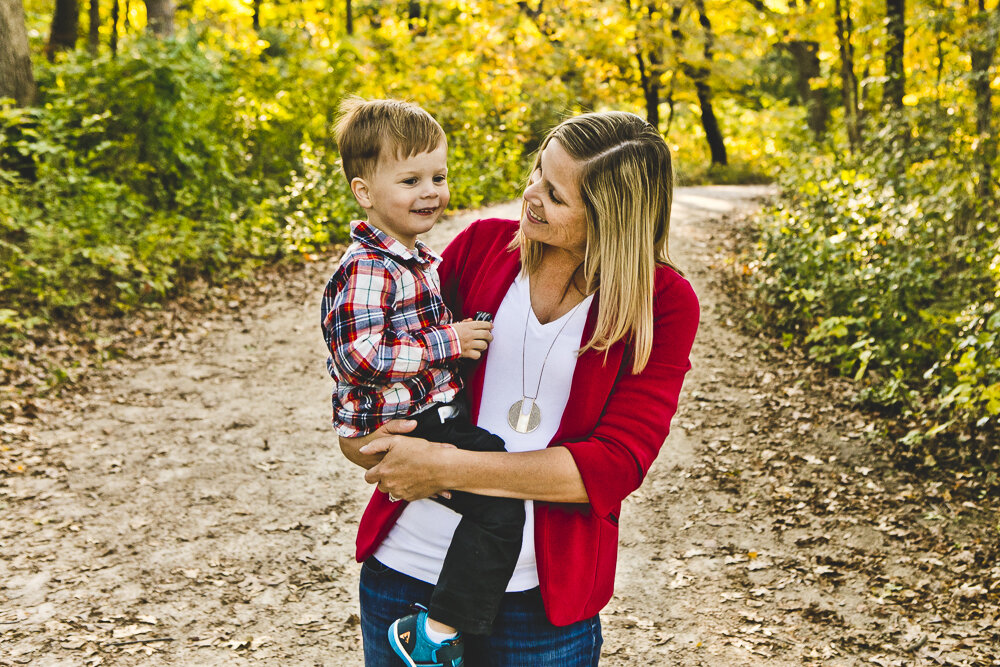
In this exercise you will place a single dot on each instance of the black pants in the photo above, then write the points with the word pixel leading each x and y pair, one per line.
pixel 487 542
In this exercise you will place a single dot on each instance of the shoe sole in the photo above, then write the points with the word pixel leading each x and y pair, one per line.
pixel 397 647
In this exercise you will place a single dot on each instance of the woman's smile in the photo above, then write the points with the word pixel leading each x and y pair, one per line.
pixel 534 217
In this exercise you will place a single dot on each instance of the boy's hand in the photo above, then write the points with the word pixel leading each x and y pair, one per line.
pixel 474 336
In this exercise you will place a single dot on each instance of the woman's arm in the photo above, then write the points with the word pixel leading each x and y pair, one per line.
pixel 601 469
pixel 412 468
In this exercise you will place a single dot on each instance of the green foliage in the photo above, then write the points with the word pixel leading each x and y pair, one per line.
pixel 887 268
pixel 201 156
pixel 132 180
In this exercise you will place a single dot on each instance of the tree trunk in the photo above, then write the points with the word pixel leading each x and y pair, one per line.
pixel 709 122
pixel 848 80
pixel 982 52
pixel 350 17
pixel 113 41
pixel 649 79
pixel 413 16
pixel 713 134
pixel 65 24
pixel 160 17
pixel 648 55
pixel 415 20
pixel 16 77
pixel 670 104
pixel 94 33
pixel 806 56
pixel 895 74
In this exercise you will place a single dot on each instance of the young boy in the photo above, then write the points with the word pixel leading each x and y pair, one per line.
pixel 394 352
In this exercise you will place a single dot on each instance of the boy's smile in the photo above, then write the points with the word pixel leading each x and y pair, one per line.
pixel 406 196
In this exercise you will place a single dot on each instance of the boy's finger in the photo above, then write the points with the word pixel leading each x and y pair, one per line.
pixel 399 426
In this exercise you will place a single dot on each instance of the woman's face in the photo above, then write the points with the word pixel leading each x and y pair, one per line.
pixel 553 211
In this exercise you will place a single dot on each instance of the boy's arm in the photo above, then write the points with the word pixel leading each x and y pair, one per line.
pixel 351 446
pixel 366 350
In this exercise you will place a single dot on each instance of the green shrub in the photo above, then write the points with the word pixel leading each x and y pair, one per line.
pixel 890 277
pixel 138 178
pixel 198 157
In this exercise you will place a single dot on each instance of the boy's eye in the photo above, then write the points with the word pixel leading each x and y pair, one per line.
pixel 440 179
pixel 410 181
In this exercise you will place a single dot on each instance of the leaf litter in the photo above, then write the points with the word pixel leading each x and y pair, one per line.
pixel 184 502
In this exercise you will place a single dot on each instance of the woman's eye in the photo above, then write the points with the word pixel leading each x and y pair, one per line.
pixel 552 196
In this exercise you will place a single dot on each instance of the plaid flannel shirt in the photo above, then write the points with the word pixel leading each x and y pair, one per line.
pixel 392 349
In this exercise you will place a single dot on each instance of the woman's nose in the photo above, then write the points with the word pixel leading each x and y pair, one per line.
pixel 531 192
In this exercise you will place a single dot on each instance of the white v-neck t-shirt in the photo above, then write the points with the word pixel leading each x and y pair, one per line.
pixel 418 542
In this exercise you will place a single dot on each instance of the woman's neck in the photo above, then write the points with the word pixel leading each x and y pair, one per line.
pixel 556 285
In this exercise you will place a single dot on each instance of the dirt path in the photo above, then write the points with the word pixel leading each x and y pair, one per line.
pixel 191 508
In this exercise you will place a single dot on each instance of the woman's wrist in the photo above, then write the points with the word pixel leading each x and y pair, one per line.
pixel 449 473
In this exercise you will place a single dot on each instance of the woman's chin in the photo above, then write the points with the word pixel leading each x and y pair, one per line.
pixel 531 231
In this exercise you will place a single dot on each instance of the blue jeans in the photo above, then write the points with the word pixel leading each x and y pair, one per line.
pixel 522 635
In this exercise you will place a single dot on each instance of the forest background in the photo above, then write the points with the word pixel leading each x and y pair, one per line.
pixel 148 149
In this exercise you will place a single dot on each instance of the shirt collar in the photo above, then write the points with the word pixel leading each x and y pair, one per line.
pixel 374 237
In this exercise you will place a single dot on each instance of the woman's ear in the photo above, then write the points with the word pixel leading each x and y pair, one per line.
pixel 361 192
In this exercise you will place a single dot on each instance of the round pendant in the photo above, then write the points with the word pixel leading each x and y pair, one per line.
pixel 524 419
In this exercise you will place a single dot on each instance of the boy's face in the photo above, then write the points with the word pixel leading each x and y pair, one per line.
pixel 405 197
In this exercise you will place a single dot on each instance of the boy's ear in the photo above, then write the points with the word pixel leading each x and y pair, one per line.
pixel 361 192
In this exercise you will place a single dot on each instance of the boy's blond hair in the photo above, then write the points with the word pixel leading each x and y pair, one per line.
pixel 368 129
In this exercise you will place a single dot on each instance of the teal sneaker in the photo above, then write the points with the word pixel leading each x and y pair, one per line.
pixel 408 637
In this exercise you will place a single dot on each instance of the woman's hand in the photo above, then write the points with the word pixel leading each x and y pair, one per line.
pixel 408 468
pixel 351 447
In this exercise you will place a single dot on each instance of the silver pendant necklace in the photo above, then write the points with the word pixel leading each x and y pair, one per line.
pixel 524 416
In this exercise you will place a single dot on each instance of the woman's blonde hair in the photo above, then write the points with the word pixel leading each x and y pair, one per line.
pixel 626 183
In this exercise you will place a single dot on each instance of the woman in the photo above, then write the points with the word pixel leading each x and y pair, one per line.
pixel 593 328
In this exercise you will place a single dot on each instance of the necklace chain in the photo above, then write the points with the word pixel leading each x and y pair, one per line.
pixel 545 359
pixel 525 416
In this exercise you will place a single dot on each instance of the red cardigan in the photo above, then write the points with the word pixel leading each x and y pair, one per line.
pixel 614 424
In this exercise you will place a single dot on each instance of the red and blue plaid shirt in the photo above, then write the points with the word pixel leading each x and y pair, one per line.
pixel 393 351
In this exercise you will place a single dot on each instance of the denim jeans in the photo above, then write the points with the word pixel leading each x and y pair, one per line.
pixel 522 635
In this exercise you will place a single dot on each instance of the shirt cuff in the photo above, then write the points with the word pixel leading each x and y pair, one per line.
pixel 605 491
pixel 441 343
